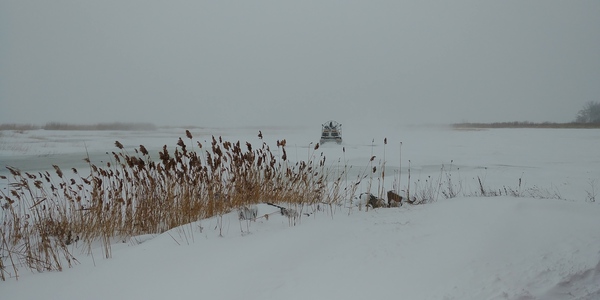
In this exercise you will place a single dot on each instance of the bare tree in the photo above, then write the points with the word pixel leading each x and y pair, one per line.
pixel 589 114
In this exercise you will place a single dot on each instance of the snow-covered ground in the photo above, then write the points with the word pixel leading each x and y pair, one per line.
pixel 461 248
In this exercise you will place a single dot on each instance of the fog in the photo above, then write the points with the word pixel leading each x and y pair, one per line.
pixel 297 63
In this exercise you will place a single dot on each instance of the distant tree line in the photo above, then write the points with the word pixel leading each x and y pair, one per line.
pixel 19 127
pixel 524 125
pixel 587 117
pixel 67 126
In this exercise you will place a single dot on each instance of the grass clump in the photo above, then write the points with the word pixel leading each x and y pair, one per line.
pixel 48 215
pixel 45 216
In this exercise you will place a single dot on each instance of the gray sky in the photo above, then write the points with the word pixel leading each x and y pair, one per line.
pixel 214 63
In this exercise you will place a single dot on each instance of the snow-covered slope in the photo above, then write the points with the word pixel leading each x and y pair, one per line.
pixel 465 248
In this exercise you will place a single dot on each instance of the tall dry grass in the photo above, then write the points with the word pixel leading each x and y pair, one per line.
pixel 46 216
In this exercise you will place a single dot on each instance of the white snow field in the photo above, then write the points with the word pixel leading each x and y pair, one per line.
pixel 544 244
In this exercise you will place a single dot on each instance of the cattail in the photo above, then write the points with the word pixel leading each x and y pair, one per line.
pixel 14 171
pixel 385 141
pixel 38 184
pixel 260 136
pixel 58 171
pixel 317 146
pixel 119 145
pixel 143 150
pixel 188 134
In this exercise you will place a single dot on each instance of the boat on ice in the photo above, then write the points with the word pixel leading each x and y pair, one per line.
pixel 331 131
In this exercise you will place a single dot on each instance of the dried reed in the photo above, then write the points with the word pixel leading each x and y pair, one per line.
pixel 46 215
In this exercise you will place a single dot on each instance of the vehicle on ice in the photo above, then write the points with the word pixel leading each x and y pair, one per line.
pixel 331 131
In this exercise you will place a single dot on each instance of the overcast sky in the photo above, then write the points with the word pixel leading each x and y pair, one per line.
pixel 216 63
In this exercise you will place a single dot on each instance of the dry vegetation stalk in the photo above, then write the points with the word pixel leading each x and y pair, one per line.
pixel 46 216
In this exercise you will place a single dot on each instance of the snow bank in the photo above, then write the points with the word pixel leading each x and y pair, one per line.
pixel 467 248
